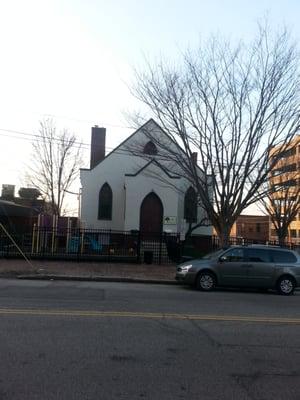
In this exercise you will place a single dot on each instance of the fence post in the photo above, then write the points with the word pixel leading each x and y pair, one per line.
pixel 44 241
pixel 78 235
pixel 109 246
pixel 180 244
pixel 37 239
pixel 138 250
pixel 33 238
pixel 52 240
pixel 160 247
pixel 68 236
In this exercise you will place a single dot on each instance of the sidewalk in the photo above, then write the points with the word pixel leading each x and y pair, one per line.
pixel 97 271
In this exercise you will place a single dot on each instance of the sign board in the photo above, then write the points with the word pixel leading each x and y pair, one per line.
pixel 170 220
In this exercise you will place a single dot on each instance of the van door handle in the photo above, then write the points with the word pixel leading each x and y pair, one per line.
pixel 248 265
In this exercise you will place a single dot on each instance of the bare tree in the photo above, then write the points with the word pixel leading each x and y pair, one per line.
pixel 231 105
pixel 55 165
pixel 282 203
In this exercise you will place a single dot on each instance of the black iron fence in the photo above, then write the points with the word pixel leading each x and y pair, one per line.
pixel 109 245
pixel 87 244
pixel 199 245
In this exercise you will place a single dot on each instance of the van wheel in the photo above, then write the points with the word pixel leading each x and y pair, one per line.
pixel 206 281
pixel 285 285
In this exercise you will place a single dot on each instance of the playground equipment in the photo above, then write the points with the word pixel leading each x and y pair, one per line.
pixel 77 243
pixel 54 234
pixel 63 236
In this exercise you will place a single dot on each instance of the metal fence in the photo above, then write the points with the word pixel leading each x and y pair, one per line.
pixel 109 245
pixel 83 244
pixel 199 245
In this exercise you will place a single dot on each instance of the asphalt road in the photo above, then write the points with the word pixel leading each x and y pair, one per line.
pixel 81 340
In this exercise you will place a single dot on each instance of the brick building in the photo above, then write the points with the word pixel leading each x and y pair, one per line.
pixel 254 227
pixel 286 176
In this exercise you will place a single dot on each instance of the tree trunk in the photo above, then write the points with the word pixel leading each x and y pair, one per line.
pixel 223 232
pixel 282 235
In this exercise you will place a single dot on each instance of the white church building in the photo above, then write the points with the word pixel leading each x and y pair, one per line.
pixel 124 191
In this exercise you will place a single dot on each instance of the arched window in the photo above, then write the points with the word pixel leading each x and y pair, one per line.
pixel 105 202
pixel 190 205
pixel 150 148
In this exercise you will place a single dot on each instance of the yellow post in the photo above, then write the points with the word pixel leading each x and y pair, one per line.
pixel 38 233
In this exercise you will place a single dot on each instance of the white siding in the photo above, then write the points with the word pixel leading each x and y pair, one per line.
pixel 129 191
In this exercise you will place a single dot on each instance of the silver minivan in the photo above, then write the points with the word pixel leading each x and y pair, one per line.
pixel 255 266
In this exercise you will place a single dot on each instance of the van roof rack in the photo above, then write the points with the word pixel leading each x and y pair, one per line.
pixel 263 245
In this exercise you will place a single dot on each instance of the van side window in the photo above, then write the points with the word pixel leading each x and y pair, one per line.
pixel 234 255
pixel 282 256
pixel 258 255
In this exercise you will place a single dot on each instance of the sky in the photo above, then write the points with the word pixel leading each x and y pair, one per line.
pixel 73 60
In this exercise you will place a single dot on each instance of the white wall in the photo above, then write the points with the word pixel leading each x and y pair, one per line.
pixel 138 187
pixel 111 170
pixel 129 191
pixel 92 181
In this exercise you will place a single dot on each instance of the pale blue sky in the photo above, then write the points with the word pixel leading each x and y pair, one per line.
pixel 70 58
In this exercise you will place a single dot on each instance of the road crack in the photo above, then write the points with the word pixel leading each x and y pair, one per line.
pixel 203 332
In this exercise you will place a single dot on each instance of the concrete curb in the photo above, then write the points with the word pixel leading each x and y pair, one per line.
pixel 97 279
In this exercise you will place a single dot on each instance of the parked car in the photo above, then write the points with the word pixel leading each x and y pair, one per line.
pixel 256 266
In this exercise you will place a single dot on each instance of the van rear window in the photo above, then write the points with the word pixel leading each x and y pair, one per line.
pixel 283 256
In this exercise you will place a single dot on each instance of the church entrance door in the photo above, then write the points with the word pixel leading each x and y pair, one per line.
pixel 151 214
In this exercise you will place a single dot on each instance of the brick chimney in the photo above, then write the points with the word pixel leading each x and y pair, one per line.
pixel 97 145
pixel 194 158
pixel 8 192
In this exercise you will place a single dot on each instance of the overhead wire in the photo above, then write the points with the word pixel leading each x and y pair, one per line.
pixel 83 146
pixel 85 121
pixel 41 136
pixel 66 117
pixel 77 144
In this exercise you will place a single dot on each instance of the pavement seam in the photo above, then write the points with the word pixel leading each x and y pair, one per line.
pixel 124 314
pixel 98 279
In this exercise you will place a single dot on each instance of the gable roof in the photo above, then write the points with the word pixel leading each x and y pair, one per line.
pixel 153 161
pixel 151 120
pixel 124 141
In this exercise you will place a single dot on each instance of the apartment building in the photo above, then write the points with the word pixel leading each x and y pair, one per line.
pixel 253 227
pixel 286 177
pixel 250 227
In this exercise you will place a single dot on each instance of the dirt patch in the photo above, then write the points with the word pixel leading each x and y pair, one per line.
pixel 13 268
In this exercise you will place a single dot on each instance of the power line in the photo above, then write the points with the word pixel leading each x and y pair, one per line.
pixel 55 138
pixel 85 121
pixel 36 136
pixel 84 146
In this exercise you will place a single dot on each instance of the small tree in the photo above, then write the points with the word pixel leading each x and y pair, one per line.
pixel 230 104
pixel 55 165
pixel 282 204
